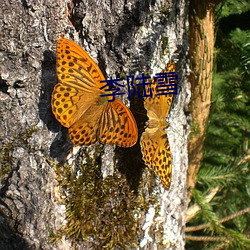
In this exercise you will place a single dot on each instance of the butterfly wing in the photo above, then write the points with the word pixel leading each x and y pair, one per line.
pixel 156 154
pixel 69 104
pixel 159 104
pixel 112 123
pixel 76 68
pixel 79 82
pixel 117 125
pixel 85 130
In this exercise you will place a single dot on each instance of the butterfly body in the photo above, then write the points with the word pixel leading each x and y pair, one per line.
pixel 77 103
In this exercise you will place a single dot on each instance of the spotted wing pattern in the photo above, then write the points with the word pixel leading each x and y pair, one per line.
pixel 77 104
pixel 154 141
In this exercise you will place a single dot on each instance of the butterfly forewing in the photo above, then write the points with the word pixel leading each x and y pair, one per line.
pixel 62 104
pixel 159 104
pixel 75 67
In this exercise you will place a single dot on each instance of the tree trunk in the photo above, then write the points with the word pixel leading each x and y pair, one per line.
pixel 201 40
pixel 54 196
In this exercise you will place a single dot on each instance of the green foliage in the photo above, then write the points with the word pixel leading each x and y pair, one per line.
pixel 103 213
pixel 218 176
pixel 5 161
pixel 207 211
pixel 226 153
pixel 230 7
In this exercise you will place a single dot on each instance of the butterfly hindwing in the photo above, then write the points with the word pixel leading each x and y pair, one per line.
pixel 156 154
pixel 117 125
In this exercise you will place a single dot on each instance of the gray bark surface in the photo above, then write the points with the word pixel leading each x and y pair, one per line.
pixel 123 36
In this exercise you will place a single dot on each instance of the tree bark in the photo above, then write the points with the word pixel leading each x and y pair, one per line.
pixel 201 40
pixel 41 171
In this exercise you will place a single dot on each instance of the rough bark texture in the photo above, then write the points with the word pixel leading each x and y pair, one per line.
pixel 201 40
pixel 124 37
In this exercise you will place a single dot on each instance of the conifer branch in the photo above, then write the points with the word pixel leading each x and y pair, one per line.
pixel 227 218
pixel 245 159
pixel 205 238
pixel 194 209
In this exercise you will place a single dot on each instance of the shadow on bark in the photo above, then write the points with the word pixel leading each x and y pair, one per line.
pixel 61 145
pixel 130 159
pixel 9 239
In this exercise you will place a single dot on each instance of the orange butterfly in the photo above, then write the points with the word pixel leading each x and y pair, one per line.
pixel 154 143
pixel 77 104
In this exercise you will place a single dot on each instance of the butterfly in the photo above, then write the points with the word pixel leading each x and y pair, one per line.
pixel 154 143
pixel 77 103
